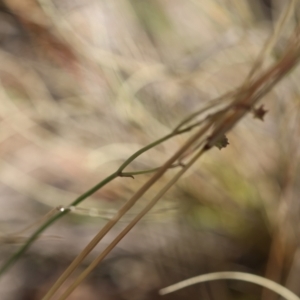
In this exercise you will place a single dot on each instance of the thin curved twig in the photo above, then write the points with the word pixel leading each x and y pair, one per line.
pixel 277 288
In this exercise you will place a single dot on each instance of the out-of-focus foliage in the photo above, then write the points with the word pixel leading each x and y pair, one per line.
pixel 84 84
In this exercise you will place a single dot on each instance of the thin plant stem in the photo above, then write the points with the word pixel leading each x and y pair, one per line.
pixel 254 93
pixel 92 244
pixel 277 288
pixel 7 264
pixel 202 110
pixel 144 149
pixel 49 222
pixel 131 174
pixel 123 233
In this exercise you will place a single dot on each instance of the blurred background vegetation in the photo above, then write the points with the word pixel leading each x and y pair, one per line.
pixel 84 84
